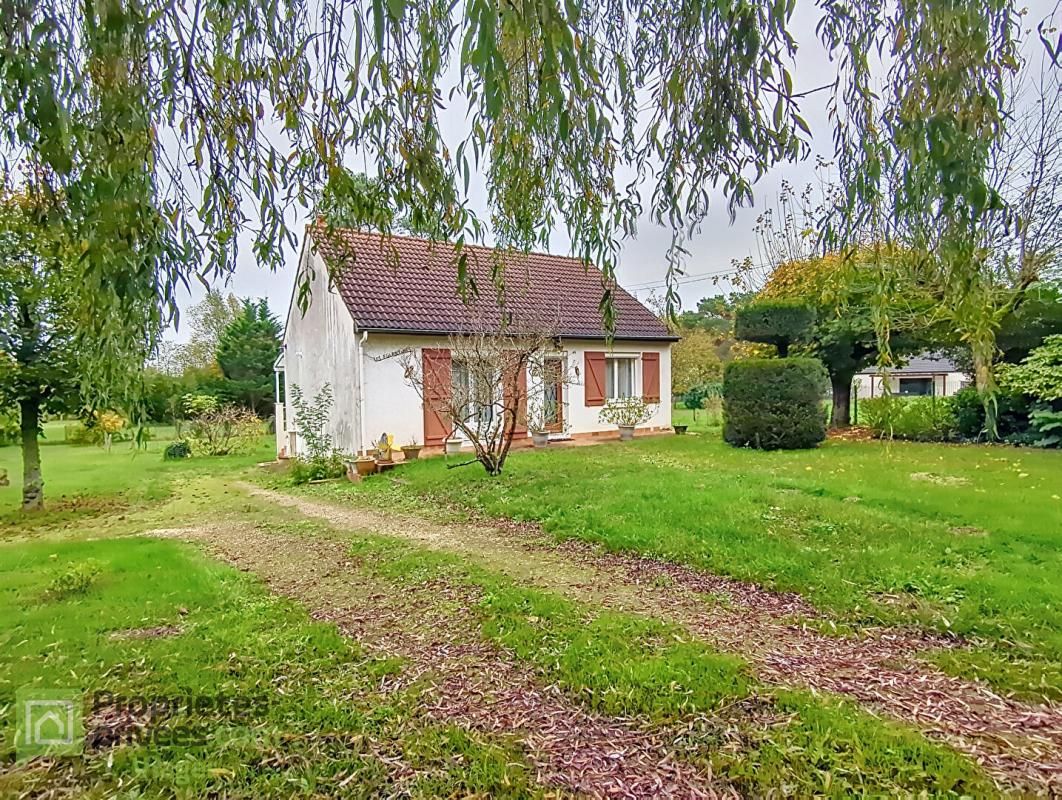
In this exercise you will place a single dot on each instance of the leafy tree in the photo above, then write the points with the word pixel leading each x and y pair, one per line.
pixel 354 200
pixel 1027 327
pixel 246 351
pixel 207 321
pixel 990 236
pixel 39 348
pixel 1040 374
pixel 158 124
pixel 843 293
pixel 715 314
pixel 694 361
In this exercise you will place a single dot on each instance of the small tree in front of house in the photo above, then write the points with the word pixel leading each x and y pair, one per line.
pixel 774 403
pixel 490 372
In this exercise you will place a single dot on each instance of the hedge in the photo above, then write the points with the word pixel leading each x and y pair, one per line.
pixel 774 404
pixel 777 322
pixel 919 419
pixel 1012 414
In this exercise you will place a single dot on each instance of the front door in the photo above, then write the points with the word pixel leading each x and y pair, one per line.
pixel 553 386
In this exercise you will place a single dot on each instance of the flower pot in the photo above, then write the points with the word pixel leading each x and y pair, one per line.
pixel 365 466
pixel 411 452
pixel 453 447
pixel 680 429
pixel 540 438
pixel 626 432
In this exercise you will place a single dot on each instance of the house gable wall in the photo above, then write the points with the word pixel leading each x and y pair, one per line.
pixel 320 347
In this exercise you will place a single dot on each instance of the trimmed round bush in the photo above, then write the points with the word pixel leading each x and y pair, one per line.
pixel 778 322
pixel 774 403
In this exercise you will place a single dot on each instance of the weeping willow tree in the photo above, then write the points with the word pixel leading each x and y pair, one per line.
pixel 177 132
pixel 976 241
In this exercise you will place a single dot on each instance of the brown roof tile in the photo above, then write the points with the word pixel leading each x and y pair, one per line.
pixel 406 284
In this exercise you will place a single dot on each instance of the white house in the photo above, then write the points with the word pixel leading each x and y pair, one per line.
pixel 928 374
pixel 375 300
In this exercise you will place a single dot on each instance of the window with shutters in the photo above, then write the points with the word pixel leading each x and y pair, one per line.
pixel 619 377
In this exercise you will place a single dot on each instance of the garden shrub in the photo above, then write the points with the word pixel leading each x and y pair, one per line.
pixel 1040 374
pixel 919 419
pixel 1046 425
pixel 224 431
pixel 177 450
pixel 95 429
pixel 304 470
pixel 774 404
pixel 696 396
pixel 311 421
pixel 75 579
pixel 778 322
pixel 1012 421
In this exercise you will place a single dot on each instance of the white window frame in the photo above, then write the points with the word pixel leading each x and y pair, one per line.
pixel 476 409
pixel 612 375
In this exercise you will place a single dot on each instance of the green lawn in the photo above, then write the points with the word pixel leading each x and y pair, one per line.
pixel 86 480
pixel 280 705
pixel 300 711
pixel 959 538
pixel 954 538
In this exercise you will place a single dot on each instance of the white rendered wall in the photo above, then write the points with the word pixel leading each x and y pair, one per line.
pixel 319 348
pixel 944 384
pixel 393 406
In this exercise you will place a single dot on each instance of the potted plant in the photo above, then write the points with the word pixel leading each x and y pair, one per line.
pixel 411 451
pixel 364 465
pixel 627 413
pixel 536 424
pixel 453 447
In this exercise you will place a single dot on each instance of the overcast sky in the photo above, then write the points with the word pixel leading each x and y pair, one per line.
pixel 642 266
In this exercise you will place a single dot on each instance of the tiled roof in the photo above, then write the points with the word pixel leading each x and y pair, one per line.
pixel 406 284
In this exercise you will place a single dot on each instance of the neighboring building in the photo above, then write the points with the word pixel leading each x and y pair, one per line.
pixel 398 296
pixel 925 375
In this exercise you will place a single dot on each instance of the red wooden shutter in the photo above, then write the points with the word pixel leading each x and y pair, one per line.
pixel 651 377
pixel 595 378
pixel 437 391
pixel 516 381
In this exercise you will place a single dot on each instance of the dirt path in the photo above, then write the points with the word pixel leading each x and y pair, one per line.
pixel 470 682
pixel 1019 744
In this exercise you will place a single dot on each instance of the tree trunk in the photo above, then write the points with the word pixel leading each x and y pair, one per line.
pixel 983 351
pixel 841 384
pixel 32 483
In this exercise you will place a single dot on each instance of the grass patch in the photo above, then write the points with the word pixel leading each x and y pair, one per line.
pixel 850 525
pixel 312 723
pixel 84 482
